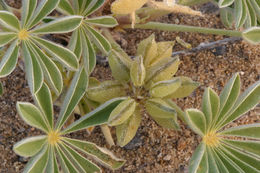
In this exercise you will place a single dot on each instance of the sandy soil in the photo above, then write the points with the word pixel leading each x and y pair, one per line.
pixel 154 149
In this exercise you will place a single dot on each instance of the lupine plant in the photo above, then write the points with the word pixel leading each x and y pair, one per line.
pixel 148 81
pixel 224 149
pixel 242 13
pixel 55 146
pixel 83 37
pixel 25 35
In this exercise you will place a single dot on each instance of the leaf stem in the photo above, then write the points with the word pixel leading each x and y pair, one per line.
pixel 185 28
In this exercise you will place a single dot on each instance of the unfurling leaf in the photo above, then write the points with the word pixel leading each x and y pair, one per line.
pixel 122 112
pixel 126 6
pixel 137 71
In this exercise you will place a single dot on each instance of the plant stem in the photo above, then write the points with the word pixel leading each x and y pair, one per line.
pixel 185 28
pixel 106 131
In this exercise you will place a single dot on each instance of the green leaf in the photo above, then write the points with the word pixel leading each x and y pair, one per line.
pixel 248 131
pixel 44 8
pixel 6 37
pixel 100 41
pixel 33 69
pixel 66 164
pixel 126 131
pixel 30 146
pixel 61 25
pixel 96 152
pixel 252 35
pixel 9 61
pixel 65 7
pixel 228 96
pixel 38 163
pixel 179 111
pixel 122 112
pixel 240 13
pixel 75 43
pixel 246 101
pixel 44 101
pixel 75 92
pixel 164 88
pixel 102 21
pixel 227 16
pixel 244 157
pixel 81 163
pixel 93 6
pixel 244 166
pixel 52 165
pixel 97 117
pixel 9 20
pixel 186 88
pixel 196 120
pixel 27 10
pixel 63 55
pixel 225 3
pixel 198 161
pixel 214 161
pixel 1 89
pixel 210 105
pixel 89 54
pixel 32 116
pixel 253 147
pixel 50 70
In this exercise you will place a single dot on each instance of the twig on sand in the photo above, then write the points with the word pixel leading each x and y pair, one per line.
pixel 203 46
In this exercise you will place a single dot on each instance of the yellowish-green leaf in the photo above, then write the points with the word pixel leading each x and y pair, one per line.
pixel 162 70
pixel 106 91
pixel 159 108
pixel 186 88
pixel 137 72
pixel 120 66
pixel 164 88
pixel 126 131
pixel 164 50
pixel 122 112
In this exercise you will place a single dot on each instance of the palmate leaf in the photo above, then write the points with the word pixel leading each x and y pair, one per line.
pixel 232 149
pixel 54 150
